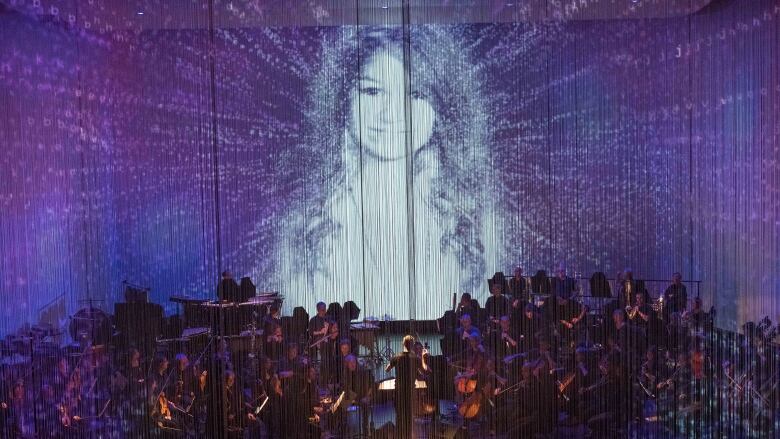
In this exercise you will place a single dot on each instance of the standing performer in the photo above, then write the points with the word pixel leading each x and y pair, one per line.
pixel 407 363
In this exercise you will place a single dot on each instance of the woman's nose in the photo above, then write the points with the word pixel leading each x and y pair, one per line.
pixel 393 110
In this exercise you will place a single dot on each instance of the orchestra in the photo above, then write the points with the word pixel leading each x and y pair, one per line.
pixel 511 367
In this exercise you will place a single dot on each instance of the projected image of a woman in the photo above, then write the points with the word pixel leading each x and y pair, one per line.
pixel 392 189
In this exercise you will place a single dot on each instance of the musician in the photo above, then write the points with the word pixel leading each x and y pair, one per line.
pixel 528 395
pixel 60 377
pixel 565 314
pixel 497 304
pixel 544 357
pixel 274 342
pixel 236 414
pixel 304 408
pixel 200 401
pixel 648 375
pixel 466 328
pixel 584 375
pixel 676 385
pixel 675 297
pixel 19 417
pixel 505 340
pixel 628 288
pixel 607 398
pixel 329 352
pixel 183 379
pixel 562 285
pixel 406 365
pixel 695 318
pixel 530 323
pixel 626 340
pixel 518 288
pixel 158 381
pixel 318 327
pixel 641 314
pixel 469 306
pixel 272 319
pixel 227 288
pixel 292 369
pixel 47 414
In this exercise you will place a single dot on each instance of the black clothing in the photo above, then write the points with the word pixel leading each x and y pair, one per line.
pixel 497 306
pixel 518 289
pixel 228 291
pixel 406 365
pixel 675 300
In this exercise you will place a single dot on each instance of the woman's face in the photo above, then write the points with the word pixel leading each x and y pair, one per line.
pixel 378 109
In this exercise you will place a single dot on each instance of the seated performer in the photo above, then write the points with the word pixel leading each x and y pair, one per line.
pixel 318 327
pixel 530 323
pixel 675 297
pixel 562 285
pixel 227 289
pixel 641 314
pixel 518 289
pixel 497 304
pixel 274 342
pixel 505 340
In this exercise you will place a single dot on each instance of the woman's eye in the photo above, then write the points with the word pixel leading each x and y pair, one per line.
pixel 371 91
pixel 416 94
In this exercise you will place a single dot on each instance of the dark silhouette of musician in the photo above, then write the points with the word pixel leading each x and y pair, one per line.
pixel 406 365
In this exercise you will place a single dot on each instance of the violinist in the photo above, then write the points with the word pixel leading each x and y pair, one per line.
pixel 292 369
pixel 304 407
pixel 198 405
pixel 183 379
pixel 607 398
pixel 676 387
pixel 158 381
pixel 406 365
pixel 236 414
pixel 528 393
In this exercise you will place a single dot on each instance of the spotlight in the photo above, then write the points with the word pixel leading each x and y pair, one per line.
pixel 139 13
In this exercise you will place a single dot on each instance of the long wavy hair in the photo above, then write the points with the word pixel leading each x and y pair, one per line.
pixel 438 66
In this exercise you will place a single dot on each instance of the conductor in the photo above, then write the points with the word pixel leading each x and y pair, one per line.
pixel 406 364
